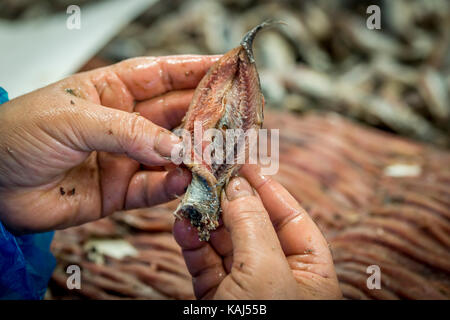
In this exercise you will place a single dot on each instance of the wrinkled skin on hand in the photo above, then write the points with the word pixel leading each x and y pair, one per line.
pixel 266 248
pixel 77 150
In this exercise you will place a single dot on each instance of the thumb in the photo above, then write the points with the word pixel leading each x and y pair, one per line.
pixel 252 233
pixel 96 128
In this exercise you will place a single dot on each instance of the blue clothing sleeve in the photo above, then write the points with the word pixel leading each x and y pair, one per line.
pixel 26 263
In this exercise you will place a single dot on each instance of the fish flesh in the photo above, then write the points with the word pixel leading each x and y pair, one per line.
pixel 227 98
pixel 400 223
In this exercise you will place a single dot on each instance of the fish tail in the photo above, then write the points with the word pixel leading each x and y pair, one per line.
pixel 247 41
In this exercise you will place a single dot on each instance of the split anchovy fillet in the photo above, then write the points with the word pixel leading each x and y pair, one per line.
pixel 228 97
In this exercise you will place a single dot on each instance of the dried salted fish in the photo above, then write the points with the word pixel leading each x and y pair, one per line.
pixel 434 91
pixel 228 97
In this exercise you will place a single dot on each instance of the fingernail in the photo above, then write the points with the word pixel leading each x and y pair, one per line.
pixel 165 141
pixel 238 187
pixel 260 174
pixel 180 171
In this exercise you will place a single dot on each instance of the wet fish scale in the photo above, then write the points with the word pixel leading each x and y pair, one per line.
pixel 228 97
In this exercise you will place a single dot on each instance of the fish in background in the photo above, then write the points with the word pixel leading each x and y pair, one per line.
pixel 228 97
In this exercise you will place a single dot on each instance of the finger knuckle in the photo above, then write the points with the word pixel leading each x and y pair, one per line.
pixel 134 130
pixel 250 204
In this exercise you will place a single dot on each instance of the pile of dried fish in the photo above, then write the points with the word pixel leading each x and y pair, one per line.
pixel 379 199
pixel 396 78
pixel 31 9
pixel 127 256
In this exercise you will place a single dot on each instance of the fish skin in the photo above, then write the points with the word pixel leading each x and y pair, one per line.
pixel 228 97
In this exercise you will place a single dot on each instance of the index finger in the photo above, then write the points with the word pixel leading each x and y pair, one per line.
pixel 297 232
pixel 148 77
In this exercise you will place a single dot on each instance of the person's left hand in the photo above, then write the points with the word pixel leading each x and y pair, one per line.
pixel 73 152
pixel 267 247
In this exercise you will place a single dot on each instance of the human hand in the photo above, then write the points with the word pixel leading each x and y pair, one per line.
pixel 72 152
pixel 267 247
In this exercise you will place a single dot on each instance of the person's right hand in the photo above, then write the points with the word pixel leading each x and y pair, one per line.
pixel 267 247
pixel 72 152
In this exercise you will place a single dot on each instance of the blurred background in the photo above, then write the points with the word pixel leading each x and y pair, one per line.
pixel 380 196
pixel 324 57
